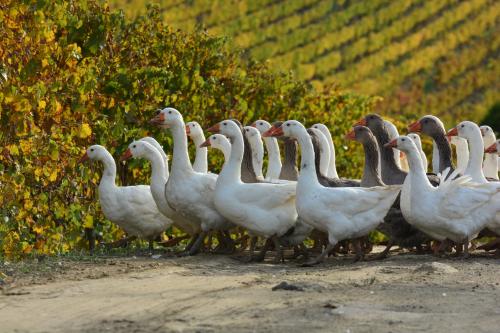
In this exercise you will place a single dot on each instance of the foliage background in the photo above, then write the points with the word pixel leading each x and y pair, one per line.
pixel 75 73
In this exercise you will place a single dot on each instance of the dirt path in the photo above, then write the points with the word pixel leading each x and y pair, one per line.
pixel 211 293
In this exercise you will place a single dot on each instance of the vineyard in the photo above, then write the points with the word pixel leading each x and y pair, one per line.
pixel 439 57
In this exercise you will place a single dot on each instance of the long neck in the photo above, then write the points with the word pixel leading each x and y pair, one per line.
pixel 180 158
pixel 462 155
pixel 324 162
pixel 258 157
pixel 444 150
pixel 332 167
pixel 157 166
pixel 418 178
pixel 109 172
pixel 476 153
pixel 307 166
pixel 388 164
pixel 273 152
pixel 289 169
pixel 371 171
pixel 490 166
pixel 435 158
pixel 231 171
pixel 200 161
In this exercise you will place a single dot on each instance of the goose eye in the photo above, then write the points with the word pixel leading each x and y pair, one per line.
pixel 214 138
pixel 403 139
pixel 288 125
pixel 261 123
pixel 169 112
pixel 462 126
pixel 224 124
pixel 92 149
pixel 134 146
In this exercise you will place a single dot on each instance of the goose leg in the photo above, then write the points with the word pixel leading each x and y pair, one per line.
pixel 359 251
pixel 279 250
pixel 383 254
pixel 321 257
pixel 124 242
pixel 150 246
pixel 191 242
pixel 195 249
pixel 262 254
pixel 173 241
pixel 90 235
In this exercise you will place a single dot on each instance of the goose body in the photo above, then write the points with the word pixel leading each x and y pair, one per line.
pixel 130 207
pixel 342 212
pixel 457 209
pixel 220 142
pixel 188 192
pixel 264 209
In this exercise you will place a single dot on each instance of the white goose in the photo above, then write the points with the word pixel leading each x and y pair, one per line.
pixel 159 176
pixel 188 192
pixel 471 132
pixel 324 152
pixel 490 164
pixel 130 207
pixel 195 132
pixel 418 143
pixel 342 212
pixel 273 151
pixel 332 167
pixel 220 142
pixel 152 141
pixel 264 209
pixel 394 133
pixel 462 151
pixel 254 139
pixel 457 209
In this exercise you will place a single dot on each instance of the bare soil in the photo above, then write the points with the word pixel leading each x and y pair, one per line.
pixel 213 293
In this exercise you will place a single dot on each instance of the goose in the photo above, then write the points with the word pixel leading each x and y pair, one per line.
pixel 264 209
pixel 332 167
pixel 324 151
pixel 418 143
pixel 289 170
pixel 188 192
pixel 344 213
pixel 462 150
pixel 441 153
pixel 471 132
pixel 456 210
pixel 273 150
pixel 490 164
pixel 494 148
pixel 220 142
pixel 195 132
pixel 395 227
pixel 252 134
pixel 130 207
pixel 152 141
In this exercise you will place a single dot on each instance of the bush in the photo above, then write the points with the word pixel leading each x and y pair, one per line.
pixel 75 73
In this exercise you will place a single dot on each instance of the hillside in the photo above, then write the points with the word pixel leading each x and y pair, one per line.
pixel 438 56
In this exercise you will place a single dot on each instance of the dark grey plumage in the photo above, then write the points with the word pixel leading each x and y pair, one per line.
pixel 247 171
pixel 429 126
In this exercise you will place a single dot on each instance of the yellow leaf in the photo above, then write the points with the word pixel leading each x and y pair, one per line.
pixel 45 63
pixel 85 131
pixel 53 175
pixel 41 104
pixel 38 229
pixel 88 222
pixel 14 151
pixel 28 204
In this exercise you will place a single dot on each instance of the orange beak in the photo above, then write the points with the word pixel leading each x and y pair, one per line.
pixel 361 122
pixel 351 135
pixel 452 132
pixel 273 132
pixel 215 128
pixel 491 149
pixel 206 143
pixel 158 119
pixel 415 127
pixel 84 158
pixel 126 155
pixel 188 130
pixel 391 144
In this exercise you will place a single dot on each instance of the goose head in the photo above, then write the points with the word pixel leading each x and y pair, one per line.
pixel 194 130
pixel 261 125
pixel 360 134
pixel 226 127
pixel 167 118
pixel 429 125
pixel 216 141
pixel 494 148
pixel 321 127
pixel 137 149
pixel 372 121
pixel 290 128
pixel 416 138
pixel 252 134
pixel 467 130
pixel 94 153
pixel 402 143
pixel 488 135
